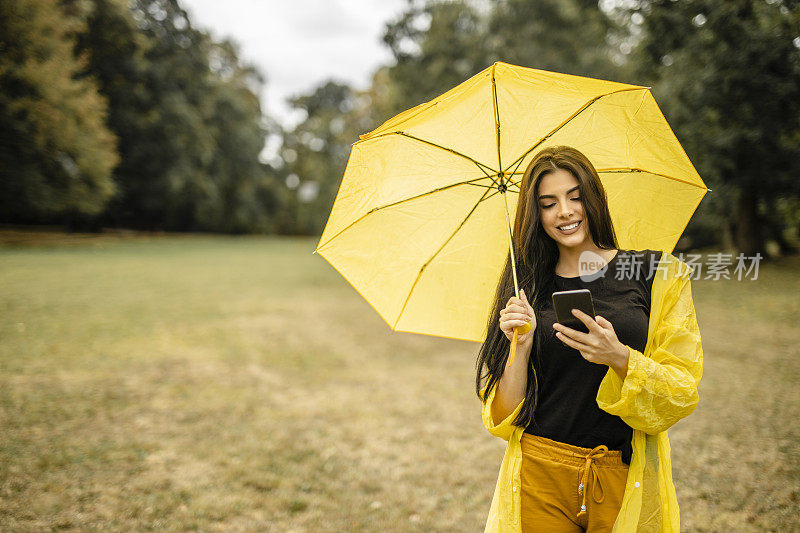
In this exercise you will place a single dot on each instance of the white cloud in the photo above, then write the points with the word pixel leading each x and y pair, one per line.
pixel 297 44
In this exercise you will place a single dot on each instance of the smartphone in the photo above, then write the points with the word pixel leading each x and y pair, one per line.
pixel 565 301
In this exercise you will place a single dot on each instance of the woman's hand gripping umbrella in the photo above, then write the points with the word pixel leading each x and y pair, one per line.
pixel 518 322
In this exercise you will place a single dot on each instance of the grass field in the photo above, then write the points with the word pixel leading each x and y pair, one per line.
pixel 240 384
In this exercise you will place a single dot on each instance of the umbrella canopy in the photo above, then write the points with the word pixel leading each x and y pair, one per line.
pixel 419 224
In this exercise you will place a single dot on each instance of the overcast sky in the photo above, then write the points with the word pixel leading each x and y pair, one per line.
pixel 296 44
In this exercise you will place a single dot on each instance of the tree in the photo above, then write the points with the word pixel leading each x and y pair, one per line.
pixel 728 75
pixel 156 93
pixel 234 114
pixel 188 117
pixel 569 36
pixel 56 153
pixel 316 153
pixel 437 45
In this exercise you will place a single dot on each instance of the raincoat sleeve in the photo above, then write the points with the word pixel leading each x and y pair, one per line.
pixel 661 385
pixel 503 429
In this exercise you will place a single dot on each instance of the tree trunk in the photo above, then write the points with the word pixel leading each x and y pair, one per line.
pixel 728 242
pixel 774 228
pixel 749 237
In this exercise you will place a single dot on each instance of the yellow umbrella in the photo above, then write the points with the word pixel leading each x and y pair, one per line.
pixel 420 225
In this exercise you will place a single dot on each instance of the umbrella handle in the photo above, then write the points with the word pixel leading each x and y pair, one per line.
pixel 513 349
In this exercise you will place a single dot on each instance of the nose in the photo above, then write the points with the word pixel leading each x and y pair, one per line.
pixel 564 210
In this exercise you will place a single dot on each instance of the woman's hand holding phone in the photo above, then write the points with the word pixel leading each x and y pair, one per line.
pixel 600 345
pixel 517 313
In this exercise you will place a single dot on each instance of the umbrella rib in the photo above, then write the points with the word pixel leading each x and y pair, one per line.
pixel 496 117
pixel 583 108
pixel 626 170
pixel 425 265
pixel 374 209
pixel 480 165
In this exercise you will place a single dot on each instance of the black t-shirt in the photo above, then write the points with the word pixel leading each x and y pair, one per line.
pixel 567 410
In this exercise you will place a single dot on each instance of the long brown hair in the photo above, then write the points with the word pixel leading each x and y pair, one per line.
pixel 536 255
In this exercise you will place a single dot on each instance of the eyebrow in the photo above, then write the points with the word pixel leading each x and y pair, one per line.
pixel 553 195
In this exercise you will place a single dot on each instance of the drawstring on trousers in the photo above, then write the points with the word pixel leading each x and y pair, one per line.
pixel 588 468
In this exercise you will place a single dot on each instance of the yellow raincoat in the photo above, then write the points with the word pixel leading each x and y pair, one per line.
pixel 659 389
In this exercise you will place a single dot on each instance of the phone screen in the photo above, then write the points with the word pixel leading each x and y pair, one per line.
pixel 565 301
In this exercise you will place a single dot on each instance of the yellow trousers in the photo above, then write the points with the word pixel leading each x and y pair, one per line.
pixel 569 489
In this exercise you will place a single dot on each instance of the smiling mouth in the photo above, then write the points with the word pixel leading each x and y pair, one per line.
pixel 570 227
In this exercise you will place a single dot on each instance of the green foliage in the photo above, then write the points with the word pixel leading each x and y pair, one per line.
pixel 727 74
pixel 183 106
pixel 56 154
pixel 315 153
pixel 561 35
pixel 437 45
pixel 122 113
pixel 188 117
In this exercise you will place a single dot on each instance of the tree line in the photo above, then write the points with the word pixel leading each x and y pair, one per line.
pixel 116 113
pixel 123 114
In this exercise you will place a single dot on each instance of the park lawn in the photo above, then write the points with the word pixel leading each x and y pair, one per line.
pixel 239 383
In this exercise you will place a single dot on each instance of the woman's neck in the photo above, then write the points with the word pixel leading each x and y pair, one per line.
pixel 569 259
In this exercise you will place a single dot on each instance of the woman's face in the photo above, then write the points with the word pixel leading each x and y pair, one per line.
pixel 560 205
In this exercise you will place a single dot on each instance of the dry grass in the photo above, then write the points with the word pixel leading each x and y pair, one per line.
pixel 236 384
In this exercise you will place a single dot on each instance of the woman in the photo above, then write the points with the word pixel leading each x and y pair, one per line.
pixel 586 414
